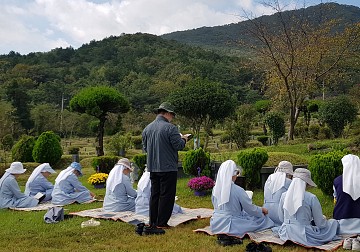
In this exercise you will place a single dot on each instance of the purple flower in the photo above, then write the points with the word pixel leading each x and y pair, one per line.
pixel 202 183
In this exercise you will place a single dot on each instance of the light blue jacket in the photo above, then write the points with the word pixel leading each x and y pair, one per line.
pixel 11 196
pixel 42 185
pixel 122 198
pixel 70 190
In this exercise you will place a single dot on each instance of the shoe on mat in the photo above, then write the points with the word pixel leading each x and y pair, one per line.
pixel 153 230
pixel 347 243
pixel 355 244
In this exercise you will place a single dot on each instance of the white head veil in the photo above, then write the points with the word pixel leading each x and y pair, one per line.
pixel 295 194
pixel 277 179
pixel 144 180
pixel 115 177
pixel 64 174
pixel 45 167
pixel 351 175
pixel 223 182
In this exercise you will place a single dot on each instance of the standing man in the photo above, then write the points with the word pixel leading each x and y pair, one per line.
pixel 162 141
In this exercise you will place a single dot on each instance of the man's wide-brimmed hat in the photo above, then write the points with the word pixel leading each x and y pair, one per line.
pixel 305 175
pixel 285 166
pixel 16 168
pixel 167 106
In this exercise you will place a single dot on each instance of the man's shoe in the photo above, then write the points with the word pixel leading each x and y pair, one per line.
pixel 262 247
pixel 347 243
pixel 251 247
pixel 355 244
pixel 153 230
pixel 225 240
pixel 140 228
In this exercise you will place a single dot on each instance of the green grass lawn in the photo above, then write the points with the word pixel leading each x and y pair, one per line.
pixel 27 231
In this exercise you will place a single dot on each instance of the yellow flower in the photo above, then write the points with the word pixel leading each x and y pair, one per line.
pixel 98 178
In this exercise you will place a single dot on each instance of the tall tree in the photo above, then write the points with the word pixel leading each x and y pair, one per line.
pixel 99 102
pixel 202 103
pixel 299 51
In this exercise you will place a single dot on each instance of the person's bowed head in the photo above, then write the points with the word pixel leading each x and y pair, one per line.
pixel 16 169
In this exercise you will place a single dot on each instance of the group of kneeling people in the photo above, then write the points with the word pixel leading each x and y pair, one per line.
pixel 292 212
pixel 289 210
pixel 120 195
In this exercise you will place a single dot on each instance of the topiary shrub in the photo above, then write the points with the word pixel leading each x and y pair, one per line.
pixel 276 123
pixel 263 139
pixel 104 164
pixel 140 161
pixel 251 162
pixel 47 148
pixel 195 159
pixel 22 150
pixel 325 168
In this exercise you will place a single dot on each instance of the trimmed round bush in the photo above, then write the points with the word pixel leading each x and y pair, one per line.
pixel 22 150
pixel 325 168
pixel 104 164
pixel 195 159
pixel 251 162
pixel 47 148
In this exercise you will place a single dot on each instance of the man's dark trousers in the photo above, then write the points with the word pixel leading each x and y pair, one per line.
pixel 163 191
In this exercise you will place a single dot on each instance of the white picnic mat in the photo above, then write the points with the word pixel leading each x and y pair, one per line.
pixel 132 218
pixel 43 206
pixel 268 236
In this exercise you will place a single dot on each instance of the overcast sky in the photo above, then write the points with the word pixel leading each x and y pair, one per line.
pixel 41 25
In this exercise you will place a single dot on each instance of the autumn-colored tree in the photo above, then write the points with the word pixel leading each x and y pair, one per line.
pixel 299 54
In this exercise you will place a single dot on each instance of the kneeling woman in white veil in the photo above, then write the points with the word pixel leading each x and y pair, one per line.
pixel 234 213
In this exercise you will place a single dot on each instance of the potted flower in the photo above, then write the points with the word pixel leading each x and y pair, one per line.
pixel 98 179
pixel 200 185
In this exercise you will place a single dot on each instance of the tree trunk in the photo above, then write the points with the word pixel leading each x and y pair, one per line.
pixel 100 149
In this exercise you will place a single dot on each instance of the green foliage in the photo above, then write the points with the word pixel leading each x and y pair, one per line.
pixel 314 130
pixel 202 102
pixel 119 142
pixel 47 148
pixel 104 163
pixel 251 162
pixel 74 150
pixel 195 159
pixel 238 126
pixel 325 168
pixel 276 124
pixel 7 142
pixel 338 112
pixel 276 157
pixel 262 106
pixel 22 150
pixel 99 102
pixel 263 139
pixel 140 161
pixel 324 132
pixel 137 141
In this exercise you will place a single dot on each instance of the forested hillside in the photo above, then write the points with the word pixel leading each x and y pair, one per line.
pixel 144 67
pixel 36 88
pixel 233 38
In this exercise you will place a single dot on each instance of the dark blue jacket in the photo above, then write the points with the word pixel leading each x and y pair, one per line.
pixel 162 141
pixel 345 206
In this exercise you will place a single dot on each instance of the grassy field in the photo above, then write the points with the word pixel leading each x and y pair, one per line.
pixel 27 231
